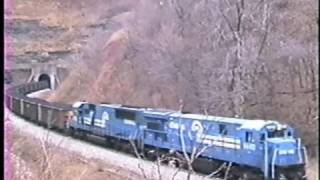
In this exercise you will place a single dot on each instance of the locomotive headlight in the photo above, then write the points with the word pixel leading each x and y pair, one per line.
pixel 284 152
pixel 291 151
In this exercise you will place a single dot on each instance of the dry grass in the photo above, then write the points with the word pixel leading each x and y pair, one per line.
pixel 29 163
pixel 50 13
pixel 313 169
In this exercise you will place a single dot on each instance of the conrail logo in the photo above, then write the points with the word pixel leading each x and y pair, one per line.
pixel 197 127
pixel 105 116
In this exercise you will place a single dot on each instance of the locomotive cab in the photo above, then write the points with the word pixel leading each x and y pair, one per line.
pixel 283 152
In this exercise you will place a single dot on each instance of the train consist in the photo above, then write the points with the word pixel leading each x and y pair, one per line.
pixel 256 148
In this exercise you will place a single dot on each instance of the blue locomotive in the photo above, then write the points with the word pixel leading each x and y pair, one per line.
pixel 267 147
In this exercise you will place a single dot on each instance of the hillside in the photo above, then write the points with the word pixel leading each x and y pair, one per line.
pixel 262 66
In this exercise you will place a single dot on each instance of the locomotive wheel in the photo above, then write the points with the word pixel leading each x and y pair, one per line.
pixel 150 155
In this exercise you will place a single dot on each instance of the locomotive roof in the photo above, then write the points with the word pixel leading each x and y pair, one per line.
pixel 259 124
pixel 119 106
pixel 77 104
pixel 111 105
pixel 243 123
pixel 163 112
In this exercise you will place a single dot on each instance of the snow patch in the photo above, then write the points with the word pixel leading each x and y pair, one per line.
pixel 37 94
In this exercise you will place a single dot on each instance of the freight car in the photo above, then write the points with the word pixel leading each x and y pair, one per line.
pixel 256 148
pixel 49 114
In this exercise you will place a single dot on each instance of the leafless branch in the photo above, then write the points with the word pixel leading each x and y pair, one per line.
pixel 227 171
pixel 46 163
pixel 266 17
pixel 139 157
pixel 209 176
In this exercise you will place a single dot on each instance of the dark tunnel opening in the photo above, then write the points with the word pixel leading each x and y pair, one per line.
pixel 45 77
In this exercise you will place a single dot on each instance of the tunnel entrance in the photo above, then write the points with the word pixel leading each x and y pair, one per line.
pixel 45 77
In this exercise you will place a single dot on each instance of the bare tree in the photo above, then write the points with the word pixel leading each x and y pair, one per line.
pixel 48 154
pixel 138 155
pixel 160 159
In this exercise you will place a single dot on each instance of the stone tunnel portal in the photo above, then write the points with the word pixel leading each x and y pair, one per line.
pixel 45 77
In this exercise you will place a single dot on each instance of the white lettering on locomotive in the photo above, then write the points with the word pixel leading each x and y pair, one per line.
pixel 105 116
pixel 221 141
pixel 128 121
pixel 249 146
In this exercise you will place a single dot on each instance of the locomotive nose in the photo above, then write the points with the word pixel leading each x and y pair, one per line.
pixel 286 151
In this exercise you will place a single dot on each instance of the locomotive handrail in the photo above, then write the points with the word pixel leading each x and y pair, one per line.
pixel 157 131
pixel 266 160
pixel 274 156
pixel 299 147
pixel 306 161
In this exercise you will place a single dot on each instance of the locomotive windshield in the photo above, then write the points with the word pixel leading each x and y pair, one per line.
pixel 276 133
